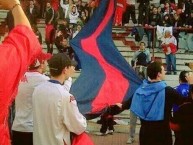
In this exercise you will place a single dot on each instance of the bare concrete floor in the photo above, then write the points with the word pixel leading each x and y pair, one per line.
pixel 115 139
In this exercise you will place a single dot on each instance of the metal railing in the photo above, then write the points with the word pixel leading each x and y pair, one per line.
pixel 128 30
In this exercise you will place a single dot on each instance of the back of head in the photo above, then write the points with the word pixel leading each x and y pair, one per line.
pixel 58 62
pixel 182 77
pixel 40 59
pixel 153 69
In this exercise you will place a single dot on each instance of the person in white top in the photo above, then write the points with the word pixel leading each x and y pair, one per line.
pixel 66 6
pixel 156 3
pixel 74 15
pixel 55 110
pixel 23 122
pixel 169 46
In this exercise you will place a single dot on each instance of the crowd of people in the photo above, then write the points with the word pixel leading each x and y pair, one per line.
pixel 65 18
pixel 152 102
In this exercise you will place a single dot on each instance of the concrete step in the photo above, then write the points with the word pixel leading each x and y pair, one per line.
pixel 3 14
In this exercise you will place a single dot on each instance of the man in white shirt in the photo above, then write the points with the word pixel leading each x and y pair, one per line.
pixel 66 7
pixel 23 122
pixel 55 110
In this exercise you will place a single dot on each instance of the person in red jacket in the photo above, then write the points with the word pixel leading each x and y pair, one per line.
pixel 120 8
pixel 55 4
pixel 17 51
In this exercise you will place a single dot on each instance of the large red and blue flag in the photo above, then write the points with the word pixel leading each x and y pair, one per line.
pixel 106 78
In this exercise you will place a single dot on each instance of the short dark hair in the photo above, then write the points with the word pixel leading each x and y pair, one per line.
pixel 142 42
pixel 182 76
pixel 153 69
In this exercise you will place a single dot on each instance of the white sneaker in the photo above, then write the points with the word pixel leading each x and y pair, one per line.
pixel 127 24
pixel 130 140
pixel 111 132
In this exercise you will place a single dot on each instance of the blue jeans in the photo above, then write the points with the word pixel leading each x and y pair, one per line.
pixel 171 62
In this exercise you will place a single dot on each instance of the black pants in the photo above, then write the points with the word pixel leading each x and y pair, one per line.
pixel 107 123
pixel 22 138
pixel 143 12
pixel 130 12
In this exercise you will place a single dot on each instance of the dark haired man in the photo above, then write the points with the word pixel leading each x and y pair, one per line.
pixel 50 30
pixel 183 87
pixel 55 110
pixel 153 102
pixel 141 59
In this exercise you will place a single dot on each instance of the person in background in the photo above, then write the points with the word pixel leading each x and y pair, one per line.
pixel 107 123
pixel 62 44
pixel 18 50
pixel 73 15
pixel 120 9
pixel 22 128
pixel 141 59
pixel 66 5
pixel 60 114
pixel 77 30
pixel 129 12
pixel 49 29
pixel 83 17
pixel 37 33
pixel 189 35
pixel 183 89
pixel 32 12
pixel 177 23
pixel 169 46
pixel 80 7
pixel 153 19
pixel 143 8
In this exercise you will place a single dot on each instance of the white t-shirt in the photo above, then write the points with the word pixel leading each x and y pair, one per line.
pixel 55 115
pixel 23 121
pixel 74 18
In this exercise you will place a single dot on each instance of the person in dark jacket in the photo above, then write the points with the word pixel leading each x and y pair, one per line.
pixel 153 20
pixel 143 10
pixel 177 23
pixel 140 60
pixel 183 89
pixel 50 30
pixel 32 12
pixel 152 103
